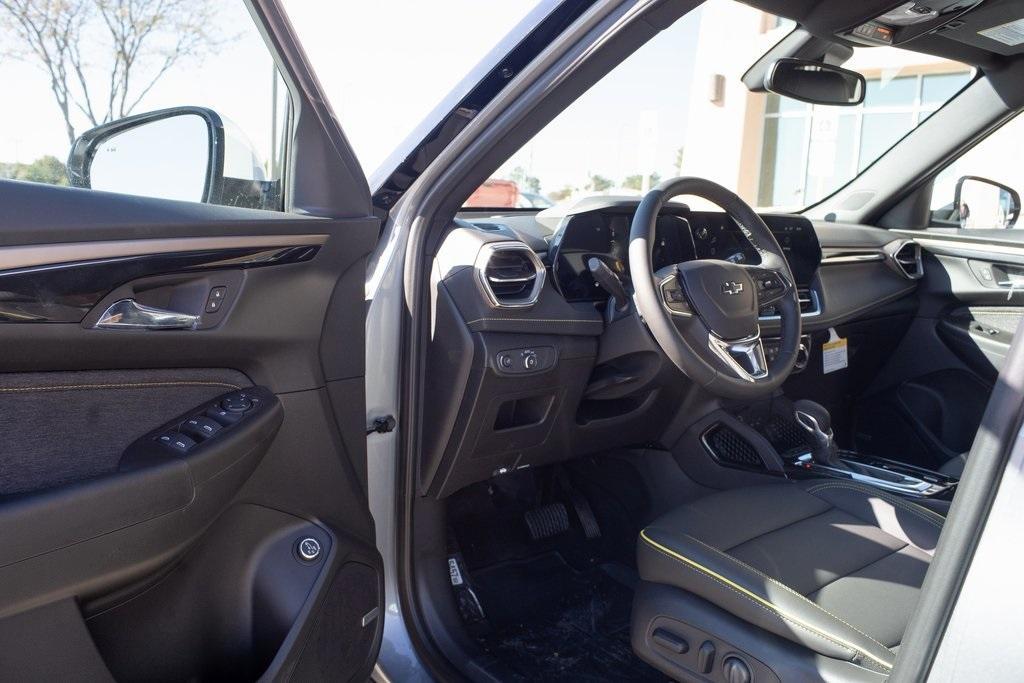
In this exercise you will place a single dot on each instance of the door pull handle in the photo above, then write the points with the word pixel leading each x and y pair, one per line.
pixel 128 314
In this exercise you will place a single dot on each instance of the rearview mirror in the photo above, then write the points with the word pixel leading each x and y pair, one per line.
pixel 980 203
pixel 175 153
pixel 815 82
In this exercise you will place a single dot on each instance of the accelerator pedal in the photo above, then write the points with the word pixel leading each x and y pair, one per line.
pixel 547 521
pixel 585 513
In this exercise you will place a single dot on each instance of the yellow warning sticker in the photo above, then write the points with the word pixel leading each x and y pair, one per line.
pixel 834 353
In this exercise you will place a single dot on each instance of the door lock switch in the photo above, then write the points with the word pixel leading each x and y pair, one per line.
pixel 176 441
pixel 215 301
pixel 201 427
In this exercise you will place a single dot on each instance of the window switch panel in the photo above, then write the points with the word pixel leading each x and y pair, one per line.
pixel 224 417
pixel 201 427
pixel 176 441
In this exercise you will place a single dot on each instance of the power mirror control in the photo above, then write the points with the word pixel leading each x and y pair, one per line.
pixel 237 403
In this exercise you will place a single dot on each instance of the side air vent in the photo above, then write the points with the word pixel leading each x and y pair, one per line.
pixel 510 274
pixel 907 258
pixel 729 448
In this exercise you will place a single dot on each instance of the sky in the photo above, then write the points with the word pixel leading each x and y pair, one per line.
pixel 382 75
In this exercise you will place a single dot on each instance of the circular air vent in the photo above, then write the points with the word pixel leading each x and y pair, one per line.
pixel 510 274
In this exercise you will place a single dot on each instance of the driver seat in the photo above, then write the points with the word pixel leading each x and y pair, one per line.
pixel 806 580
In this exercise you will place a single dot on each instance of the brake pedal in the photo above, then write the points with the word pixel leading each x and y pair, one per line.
pixel 547 521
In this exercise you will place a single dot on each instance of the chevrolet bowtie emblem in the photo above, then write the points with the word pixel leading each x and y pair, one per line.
pixel 732 288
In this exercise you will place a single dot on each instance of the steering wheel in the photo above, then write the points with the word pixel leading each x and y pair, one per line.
pixel 704 313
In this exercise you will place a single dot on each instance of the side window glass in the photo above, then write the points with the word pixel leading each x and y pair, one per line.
pixel 176 100
pixel 988 177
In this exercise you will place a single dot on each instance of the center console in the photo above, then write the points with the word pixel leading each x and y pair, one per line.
pixel 798 437
pixel 824 459
pixel 898 477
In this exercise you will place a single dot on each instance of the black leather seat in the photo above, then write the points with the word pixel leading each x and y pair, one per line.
pixel 954 467
pixel 809 579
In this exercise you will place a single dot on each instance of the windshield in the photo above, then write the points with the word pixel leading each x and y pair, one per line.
pixel 678 107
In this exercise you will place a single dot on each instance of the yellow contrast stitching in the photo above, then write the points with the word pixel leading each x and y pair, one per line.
pixel 923 513
pixel 785 587
pixel 130 385
pixel 757 599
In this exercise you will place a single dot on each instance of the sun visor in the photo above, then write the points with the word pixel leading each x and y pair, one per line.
pixel 997 27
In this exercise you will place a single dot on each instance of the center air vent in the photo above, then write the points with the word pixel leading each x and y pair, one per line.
pixel 808 299
pixel 907 257
pixel 810 305
pixel 510 274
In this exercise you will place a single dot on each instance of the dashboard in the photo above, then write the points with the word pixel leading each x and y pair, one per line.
pixel 681 235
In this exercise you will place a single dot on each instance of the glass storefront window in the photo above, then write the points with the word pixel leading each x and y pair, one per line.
pixel 840 143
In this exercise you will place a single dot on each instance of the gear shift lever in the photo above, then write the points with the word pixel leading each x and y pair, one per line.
pixel 814 418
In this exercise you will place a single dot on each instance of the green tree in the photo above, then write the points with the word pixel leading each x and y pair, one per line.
pixel 559 195
pixel 48 169
pixel 598 183
pixel 636 181
pixel 524 180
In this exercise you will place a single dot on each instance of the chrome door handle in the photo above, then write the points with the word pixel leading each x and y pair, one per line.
pixel 128 314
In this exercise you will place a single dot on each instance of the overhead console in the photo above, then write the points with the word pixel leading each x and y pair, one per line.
pixel 908 21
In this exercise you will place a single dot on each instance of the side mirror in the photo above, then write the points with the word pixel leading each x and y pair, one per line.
pixel 815 82
pixel 983 203
pixel 175 153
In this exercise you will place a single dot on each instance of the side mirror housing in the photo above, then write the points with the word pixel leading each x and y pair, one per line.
pixel 984 203
pixel 815 82
pixel 175 153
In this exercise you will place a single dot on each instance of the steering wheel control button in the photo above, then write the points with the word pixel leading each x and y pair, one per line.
pixel 176 441
pixel 237 403
pixel 525 361
pixel 308 549
pixel 201 427
pixel 672 295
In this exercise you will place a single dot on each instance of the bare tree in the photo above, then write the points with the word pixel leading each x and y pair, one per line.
pixel 131 43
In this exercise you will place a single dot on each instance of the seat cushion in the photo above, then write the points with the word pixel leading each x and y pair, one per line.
pixel 833 565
